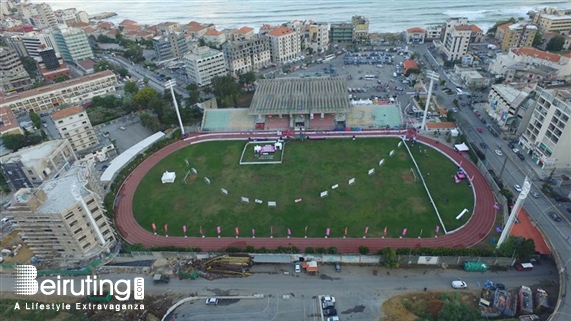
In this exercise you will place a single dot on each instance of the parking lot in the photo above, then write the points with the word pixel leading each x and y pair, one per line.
pixel 133 132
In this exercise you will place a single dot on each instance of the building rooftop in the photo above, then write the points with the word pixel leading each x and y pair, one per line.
pixel 127 22
pixel 202 53
pixel 53 87
pixel 518 26
pixel 463 27
pixel 8 121
pixel 408 64
pixel 511 94
pixel 29 155
pixel 59 191
pixel 416 30
pixel 213 32
pixel 67 112
pixel 87 64
pixel 280 31
pixel 505 25
pixel 244 29
pixel 300 96
pixel 531 52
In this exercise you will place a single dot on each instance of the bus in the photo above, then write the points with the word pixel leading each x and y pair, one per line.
pixel 370 77
pixel 328 58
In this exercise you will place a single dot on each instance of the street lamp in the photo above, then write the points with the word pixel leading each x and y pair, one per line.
pixel 170 85
pixel 432 75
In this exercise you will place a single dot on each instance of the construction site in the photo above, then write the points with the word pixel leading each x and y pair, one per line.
pixel 223 266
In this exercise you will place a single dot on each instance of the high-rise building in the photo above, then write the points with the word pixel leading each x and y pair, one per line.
pixel 552 20
pixel 456 38
pixel 316 36
pixel 170 46
pixel 49 57
pixel 73 44
pixel 548 136
pixel 64 217
pixel 341 33
pixel 518 35
pixel 44 16
pixel 13 75
pixel 30 167
pixel 247 55
pixel 360 28
pixel 26 44
pixel 203 64
pixel 74 125
pixel 285 44
pixel 51 65
pixel 71 15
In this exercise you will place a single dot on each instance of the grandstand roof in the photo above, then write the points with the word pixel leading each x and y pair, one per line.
pixel 287 96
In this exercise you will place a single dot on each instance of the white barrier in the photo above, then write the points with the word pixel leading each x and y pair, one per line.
pixel 351 181
pixel 324 194
pixel 224 191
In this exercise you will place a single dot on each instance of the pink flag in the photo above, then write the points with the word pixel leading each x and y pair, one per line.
pixel 404 232
pixel 237 231
pixel 218 229
pixel 345 230
pixel 460 163
pixel 184 229
pixel 288 231
pixel 327 231
pixel 253 232
pixel 496 207
pixel 166 228
pixel 154 226
pixel 437 228
pixel 201 230
pixel 472 178
pixel 366 230
pixel 385 232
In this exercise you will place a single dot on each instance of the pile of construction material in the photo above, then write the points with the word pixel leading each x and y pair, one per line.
pixel 229 265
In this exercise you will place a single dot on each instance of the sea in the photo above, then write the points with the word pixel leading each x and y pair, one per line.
pixel 383 15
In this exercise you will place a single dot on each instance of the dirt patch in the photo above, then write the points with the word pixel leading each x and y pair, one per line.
pixel 407 177
pixel 434 306
pixel 10 242
pixel 417 204
pixel 394 308
pixel 191 179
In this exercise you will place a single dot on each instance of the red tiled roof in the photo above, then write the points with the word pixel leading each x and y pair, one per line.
pixel 415 30
pixel 131 27
pixel 280 31
pixel 67 112
pixel 441 125
pixel 127 22
pixel 475 28
pixel 8 120
pixel 408 64
pixel 531 52
pixel 244 30
pixel 505 25
pixel 194 24
pixel 463 27
pixel 213 32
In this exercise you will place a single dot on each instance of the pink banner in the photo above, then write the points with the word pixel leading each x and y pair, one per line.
pixel 385 231
pixel 253 232
pixel 472 178
pixel 166 228
pixel 496 207
pixel 237 231
pixel 404 232
pixel 327 231
pixel 366 230
pixel 437 228
pixel 345 231
pixel 460 163
pixel 154 226
pixel 288 231
pixel 218 229
pixel 184 229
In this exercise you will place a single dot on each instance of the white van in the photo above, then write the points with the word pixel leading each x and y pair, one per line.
pixel 394 74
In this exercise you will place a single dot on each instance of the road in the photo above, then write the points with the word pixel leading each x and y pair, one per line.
pixel 513 173
pixel 360 291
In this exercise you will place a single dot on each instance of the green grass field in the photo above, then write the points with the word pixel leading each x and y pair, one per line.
pixel 389 198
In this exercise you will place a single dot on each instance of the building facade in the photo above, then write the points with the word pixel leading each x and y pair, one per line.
pixel 64 217
pixel 552 20
pixel 504 102
pixel 13 75
pixel 70 16
pixel 341 33
pixel 360 28
pixel 26 44
pixel 247 55
pixel 30 167
pixel 204 64
pixel 415 35
pixel 72 91
pixel 532 58
pixel 518 35
pixel 214 37
pixel 548 136
pixel 456 41
pixel 73 44
pixel 433 33
pixel 316 36
pixel 285 44
pixel 74 125
pixel 170 46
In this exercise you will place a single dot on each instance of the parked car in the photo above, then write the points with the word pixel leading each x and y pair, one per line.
pixel 524 267
pixel 338 266
pixel 520 156
pixel 329 312
pixel 479 129
pixel 333 318
pixel 554 216
pixel 212 301
pixel 122 128
pixel 534 194
pixel 459 284
pixel 297 267
pixel 499 286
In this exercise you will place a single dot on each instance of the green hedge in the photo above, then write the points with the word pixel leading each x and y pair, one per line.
pixel 444 251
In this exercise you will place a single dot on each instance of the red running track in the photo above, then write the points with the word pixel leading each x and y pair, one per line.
pixel 476 229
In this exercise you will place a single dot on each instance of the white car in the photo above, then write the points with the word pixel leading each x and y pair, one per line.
pixel 212 301
pixel 517 187
pixel 335 318
pixel 328 299
pixel 459 284
pixel 499 152
pixel 535 194
pixel 297 267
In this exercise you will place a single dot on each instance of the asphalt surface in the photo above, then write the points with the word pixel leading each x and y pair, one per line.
pixel 359 291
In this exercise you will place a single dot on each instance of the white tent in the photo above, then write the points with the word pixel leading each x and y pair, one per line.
pixel 168 177
pixel 461 147
pixel 454 132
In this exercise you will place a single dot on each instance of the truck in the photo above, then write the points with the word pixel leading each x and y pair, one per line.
pixel 160 278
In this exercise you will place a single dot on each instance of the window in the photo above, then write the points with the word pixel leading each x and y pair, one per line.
pixel 68 216
pixel 82 238
pixel 73 223
pixel 78 230
pixel 99 217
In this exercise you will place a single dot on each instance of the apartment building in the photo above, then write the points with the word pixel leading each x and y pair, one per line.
pixel 534 58
pixel 64 217
pixel 456 41
pixel 40 15
pixel 13 75
pixel 51 65
pixel 547 136
pixel 8 123
pixel 244 33
pixel 433 33
pixel 71 15
pixel 74 125
pixel 30 167
pixel 415 35
pixel 247 55
pixel 285 44
pixel 73 44
pixel 504 102
pixel 341 33
pixel 214 37
pixel 203 64
pixel 26 44
pixel 552 20
pixel 316 36
pixel 518 35
pixel 72 91
pixel 501 30
pixel 170 46
pixel 360 28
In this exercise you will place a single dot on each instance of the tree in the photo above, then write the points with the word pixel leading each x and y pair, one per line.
pixel 36 120
pixel 131 87
pixel 247 78
pixel 61 78
pixel 363 250
pixel 226 90
pixel 102 65
pixel 493 29
pixel 537 39
pixel 144 97
pixel 455 311
pixel 14 141
pixel 555 44
pixel 389 257
pixel 150 121
pixel 122 71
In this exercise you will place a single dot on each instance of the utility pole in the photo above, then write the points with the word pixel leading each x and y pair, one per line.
pixel 432 75
pixel 170 85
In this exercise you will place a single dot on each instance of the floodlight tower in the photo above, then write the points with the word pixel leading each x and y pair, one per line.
pixel 170 85
pixel 517 206
pixel 432 75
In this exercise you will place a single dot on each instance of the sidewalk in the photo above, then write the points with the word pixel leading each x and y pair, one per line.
pixel 527 229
